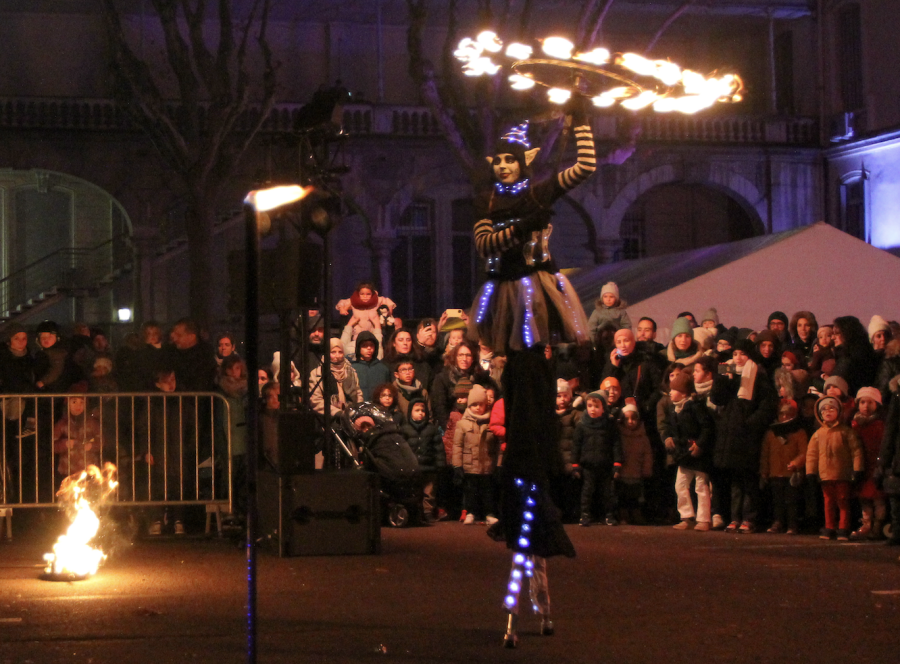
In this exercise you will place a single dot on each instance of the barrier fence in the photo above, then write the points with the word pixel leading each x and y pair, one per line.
pixel 169 448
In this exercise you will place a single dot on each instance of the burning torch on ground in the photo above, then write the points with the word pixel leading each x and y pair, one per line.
pixel 74 555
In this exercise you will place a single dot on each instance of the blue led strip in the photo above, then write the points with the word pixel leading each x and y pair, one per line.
pixel 484 301
pixel 516 187
pixel 528 331
pixel 518 134
pixel 576 320
pixel 523 562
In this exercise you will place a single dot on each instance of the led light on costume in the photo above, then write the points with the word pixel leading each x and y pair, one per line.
pixel 523 562
pixel 529 332
pixel 561 287
pixel 485 298
pixel 513 188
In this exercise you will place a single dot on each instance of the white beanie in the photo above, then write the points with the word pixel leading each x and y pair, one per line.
pixel 630 408
pixel 704 337
pixel 870 392
pixel 562 386
pixel 877 324
pixel 610 287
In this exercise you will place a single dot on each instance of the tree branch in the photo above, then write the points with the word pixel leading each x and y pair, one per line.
pixel 667 24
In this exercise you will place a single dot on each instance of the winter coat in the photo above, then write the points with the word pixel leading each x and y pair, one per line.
pixel 16 372
pixel 407 394
pixel 235 392
pixel 347 392
pixel 195 367
pixel 597 442
pixel 638 378
pixel 686 357
pixel 54 369
pixel 85 431
pixel 871 432
pixel 785 443
pixel 834 453
pixel 890 367
pixel 442 398
pixel 370 374
pixel 889 454
pixel 742 421
pixel 424 440
pixel 856 364
pixel 603 315
pixel 637 455
pixel 692 425
pixel 473 444
pixel 497 426
pixel 568 420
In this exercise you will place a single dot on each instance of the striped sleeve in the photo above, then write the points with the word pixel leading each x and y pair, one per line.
pixel 586 162
pixel 489 242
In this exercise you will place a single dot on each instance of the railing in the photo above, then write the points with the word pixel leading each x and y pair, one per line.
pixel 65 270
pixel 169 448
pixel 407 121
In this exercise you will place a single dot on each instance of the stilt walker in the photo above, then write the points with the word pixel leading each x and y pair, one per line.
pixel 524 304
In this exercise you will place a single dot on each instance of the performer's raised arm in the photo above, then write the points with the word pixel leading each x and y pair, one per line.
pixel 587 159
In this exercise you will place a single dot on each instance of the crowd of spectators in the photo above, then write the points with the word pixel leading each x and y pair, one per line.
pixel 792 427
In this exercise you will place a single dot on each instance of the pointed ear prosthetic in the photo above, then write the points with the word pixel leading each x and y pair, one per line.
pixel 530 155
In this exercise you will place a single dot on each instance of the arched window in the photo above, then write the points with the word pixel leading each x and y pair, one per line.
pixel 853 204
pixel 412 262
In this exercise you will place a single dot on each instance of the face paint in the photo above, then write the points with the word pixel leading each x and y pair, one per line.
pixel 506 168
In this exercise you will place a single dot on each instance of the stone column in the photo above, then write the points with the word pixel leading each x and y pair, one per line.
pixel 384 241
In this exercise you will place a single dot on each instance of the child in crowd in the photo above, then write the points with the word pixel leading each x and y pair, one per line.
pixel 781 466
pixel 424 440
pixel 76 438
pixel 473 461
pixel 690 444
pixel 869 426
pixel 609 309
pixel 386 397
pixel 637 465
pixel 837 387
pixel 835 456
pixel 565 486
pixel 614 400
pixel 370 370
pixel 598 458
pixel 363 304
pixel 408 386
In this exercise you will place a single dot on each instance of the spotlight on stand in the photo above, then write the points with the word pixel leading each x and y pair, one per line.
pixel 256 203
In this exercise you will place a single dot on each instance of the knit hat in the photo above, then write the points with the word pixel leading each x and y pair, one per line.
pixel 767 335
pixel 742 333
pixel 789 405
pixel 682 326
pixel 870 392
pixel 563 387
pixel 777 315
pixel 877 324
pixel 711 314
pixel 828 365
pixel 603 395
pixel 610 287
pixel 477 395
pixel 608 382
pixel 630 408
pixel 821 402
pixel 839 383
pixel 727 335
pixel 682 382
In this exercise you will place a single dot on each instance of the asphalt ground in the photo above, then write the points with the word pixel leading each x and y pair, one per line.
pixel 633 594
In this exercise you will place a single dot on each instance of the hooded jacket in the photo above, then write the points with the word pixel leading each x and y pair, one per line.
pixel 597 442
pixel 692 424
pixel 473 443
pixel 373 373
pixel 785 443
pixel 424 439
pixel 835 451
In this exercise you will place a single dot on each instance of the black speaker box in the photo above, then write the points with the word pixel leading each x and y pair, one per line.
pixel 289 440
pixel 290 276
pixel 325 513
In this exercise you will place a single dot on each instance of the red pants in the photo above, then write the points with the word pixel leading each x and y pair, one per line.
pixel 837 497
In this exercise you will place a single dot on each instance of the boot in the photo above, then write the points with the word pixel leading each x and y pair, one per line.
pixel 511 638
pixel 865 530
pixel 547 626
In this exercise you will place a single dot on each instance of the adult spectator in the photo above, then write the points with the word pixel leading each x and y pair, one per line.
pixel 401 346
pixel 778 323
pixel 459 368
pixel 54 369
pixel 192 359
pixel 683 347
pixel 803 329
pixel 16 365
pixel 637 376
pixel 855 359
pixel 427 342
pixel 224 347
pixel 748 404
pixel 370 371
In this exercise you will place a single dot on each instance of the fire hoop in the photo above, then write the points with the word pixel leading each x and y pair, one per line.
pixel 609 79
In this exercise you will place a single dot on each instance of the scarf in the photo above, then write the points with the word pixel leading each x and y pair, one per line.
pixel 679 405
pixel 748 378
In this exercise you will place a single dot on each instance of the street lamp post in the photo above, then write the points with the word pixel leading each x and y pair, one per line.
pixel 256 201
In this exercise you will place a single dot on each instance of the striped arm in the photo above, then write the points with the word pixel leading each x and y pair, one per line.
pixel 586 163
pixel 489 242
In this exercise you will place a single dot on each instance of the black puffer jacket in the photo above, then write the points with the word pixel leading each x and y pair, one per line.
pixel 597 442
pixel 742 423
pixel 424 439
pixel 16 372
pixel 694 424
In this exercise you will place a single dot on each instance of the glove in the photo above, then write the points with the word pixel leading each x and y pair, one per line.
pixel 579 108
pixel 458 476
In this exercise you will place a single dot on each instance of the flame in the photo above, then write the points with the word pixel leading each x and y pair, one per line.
pixel 558 47
pixel 559 95
pixel 599 56
pixel 519 82
pixel 73 553
pixel 489 41
pixel 518 51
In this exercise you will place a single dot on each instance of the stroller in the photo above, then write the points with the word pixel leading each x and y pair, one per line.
pixel 384 451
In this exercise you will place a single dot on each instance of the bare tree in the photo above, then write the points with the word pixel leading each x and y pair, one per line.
pixel 204 132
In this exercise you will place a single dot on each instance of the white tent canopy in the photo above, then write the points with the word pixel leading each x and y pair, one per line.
pixel 815 268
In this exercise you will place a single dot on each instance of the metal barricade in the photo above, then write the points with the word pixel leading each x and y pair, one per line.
pixel 170 448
